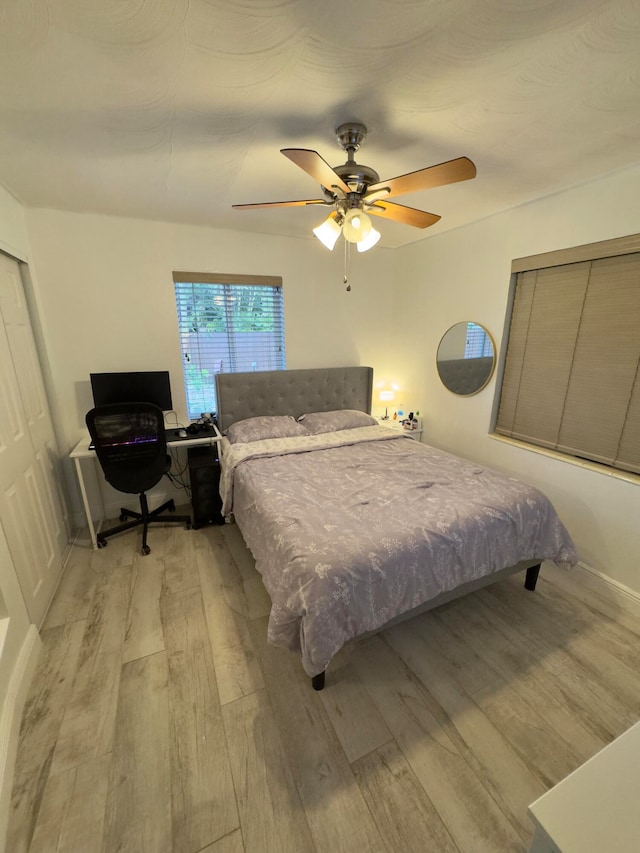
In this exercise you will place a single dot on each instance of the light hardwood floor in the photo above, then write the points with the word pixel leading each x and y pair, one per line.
pixel 160 720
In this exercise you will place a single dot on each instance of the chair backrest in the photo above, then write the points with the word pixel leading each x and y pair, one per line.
pixel 130 444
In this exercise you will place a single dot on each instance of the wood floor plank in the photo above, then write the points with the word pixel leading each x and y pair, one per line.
pixel 223 569
pixel 237 547
pixel 143 633
pixel 52 812
pixel 335 809
pixel 405 816
pixel 593 649
pixel 576 684
pixel 504 773
pixel 256 598
pixel 617 637
pixel 41 720
pixel 354 717
pixel 470 814
pixel 231 843
pixel 465 663
pixel 237 669
pixel 87 727
pixel 203 805
pixel 271 814
pixel 73 809
pixel 569 584
pixel 75 590
pixel 138 812
pixel 179 561
pixel 121 549
pixel 570 741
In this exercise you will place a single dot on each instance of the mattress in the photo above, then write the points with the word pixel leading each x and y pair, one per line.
pixel 352 528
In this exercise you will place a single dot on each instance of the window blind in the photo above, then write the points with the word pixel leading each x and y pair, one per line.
pixel 227 324
pixel 571 378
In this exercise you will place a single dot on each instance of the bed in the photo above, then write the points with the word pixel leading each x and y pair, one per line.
pixel 354 526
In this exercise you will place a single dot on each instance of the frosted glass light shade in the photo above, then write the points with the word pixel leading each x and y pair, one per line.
pixel 369 241
pixel 356 226
pixel 328 232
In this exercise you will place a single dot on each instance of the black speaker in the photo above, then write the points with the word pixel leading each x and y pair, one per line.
pixel 204 475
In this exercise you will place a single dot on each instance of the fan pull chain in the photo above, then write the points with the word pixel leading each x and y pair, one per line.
pixel 347 259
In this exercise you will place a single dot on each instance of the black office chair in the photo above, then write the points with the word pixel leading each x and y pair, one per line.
pixel 131 447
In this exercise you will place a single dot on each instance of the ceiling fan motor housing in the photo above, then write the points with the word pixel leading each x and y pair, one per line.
pixel 350 136
pixel 358 177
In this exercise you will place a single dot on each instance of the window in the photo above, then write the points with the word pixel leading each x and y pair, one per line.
pixel 477 343
pixel 227 324
pixel 571 377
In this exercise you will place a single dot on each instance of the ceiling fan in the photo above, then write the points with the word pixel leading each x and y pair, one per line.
pixel 354 191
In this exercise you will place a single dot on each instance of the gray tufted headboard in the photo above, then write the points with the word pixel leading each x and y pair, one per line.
pixel 292 392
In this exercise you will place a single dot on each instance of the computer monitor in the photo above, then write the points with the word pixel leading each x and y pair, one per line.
pixel 151 386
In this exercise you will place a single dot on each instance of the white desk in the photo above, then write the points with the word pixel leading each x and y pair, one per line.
pixel 596 809
pixel 81 451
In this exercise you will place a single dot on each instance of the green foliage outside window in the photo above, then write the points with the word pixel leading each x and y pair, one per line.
pixel 210 310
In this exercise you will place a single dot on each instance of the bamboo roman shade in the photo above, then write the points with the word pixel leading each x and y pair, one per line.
pixel 571 379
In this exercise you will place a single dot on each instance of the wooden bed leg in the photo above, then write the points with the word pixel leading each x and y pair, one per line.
pixel 532 577
pixel 317 682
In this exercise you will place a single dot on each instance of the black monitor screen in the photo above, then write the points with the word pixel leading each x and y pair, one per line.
pixel 141 387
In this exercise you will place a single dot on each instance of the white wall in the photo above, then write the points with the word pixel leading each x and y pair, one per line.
pixel 464 275
pixel 106 292
pixel 13 229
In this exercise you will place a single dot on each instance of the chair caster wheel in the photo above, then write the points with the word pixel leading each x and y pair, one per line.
pixel 101 543
pixel 123 517
pixel 187 525
pixel 172 506
pixel 145 550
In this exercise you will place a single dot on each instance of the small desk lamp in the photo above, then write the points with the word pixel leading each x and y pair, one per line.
pixel 386 396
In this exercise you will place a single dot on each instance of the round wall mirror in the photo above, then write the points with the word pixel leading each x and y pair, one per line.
pixel 466 358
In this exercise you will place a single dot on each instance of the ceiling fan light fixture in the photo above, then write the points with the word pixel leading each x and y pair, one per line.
pixel 356 226
pixel 328 232
pixel 369 241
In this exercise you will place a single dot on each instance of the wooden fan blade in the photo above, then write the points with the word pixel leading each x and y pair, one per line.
pixel 300 203
pixel 460 169
pixel 400 213
pixel 313 164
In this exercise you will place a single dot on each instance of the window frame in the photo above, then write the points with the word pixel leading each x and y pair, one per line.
pixel 231 285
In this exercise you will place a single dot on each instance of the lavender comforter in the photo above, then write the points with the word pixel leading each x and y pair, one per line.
pixel 350 529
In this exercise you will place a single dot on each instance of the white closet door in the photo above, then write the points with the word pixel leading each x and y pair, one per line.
pixel 31 509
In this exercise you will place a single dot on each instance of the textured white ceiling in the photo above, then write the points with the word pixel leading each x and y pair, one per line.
pixel 177 109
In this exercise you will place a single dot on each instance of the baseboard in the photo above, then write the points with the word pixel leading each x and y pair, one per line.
pixel 10 718
pixel 596 589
